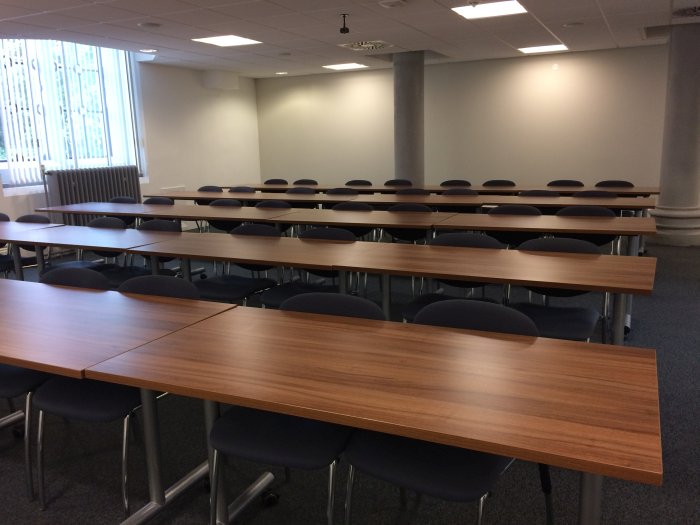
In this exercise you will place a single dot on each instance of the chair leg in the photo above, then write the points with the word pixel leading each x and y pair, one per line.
pixel 348 494
pixel 27 445
pixel 331 491
pixel 546 482
pixel 125 466
pixel 40 458
pixel 480 515
pixel 214 483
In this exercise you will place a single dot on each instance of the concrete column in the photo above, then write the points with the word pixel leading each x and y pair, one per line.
pixel 678 207
pixel 409 158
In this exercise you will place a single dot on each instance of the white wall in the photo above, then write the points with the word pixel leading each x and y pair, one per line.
pixel 195 135
pixel 597 115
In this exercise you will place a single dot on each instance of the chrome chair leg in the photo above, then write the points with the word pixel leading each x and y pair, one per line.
pixel 331 491
pixel 214 484
pixel 27 445
pixel 40 458
pixel 348 494
pixel 480 515
pixel 125 466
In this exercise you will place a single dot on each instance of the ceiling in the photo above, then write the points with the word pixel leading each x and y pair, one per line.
pixel 300 36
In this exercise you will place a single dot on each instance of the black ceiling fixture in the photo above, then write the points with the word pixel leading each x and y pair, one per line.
pixel 345 29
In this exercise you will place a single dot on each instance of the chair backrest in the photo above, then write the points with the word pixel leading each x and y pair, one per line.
pixel 585 211
pixel 114 223
pixel 234 203
pixel 77 277
pixel 329 234
pixel 410 206
pixel 334 304
pixel 412 191
pixel 466 240
pixel 159 200
pixel 276 181
pixel 565 182
pixel 498 182
pixel 539 193
pixel 4 217
pixel 342 191
pixel 123 199
pixel 241 189
pixel 398 182
pixel 477 315
pixel 612 183
pixel 263 230
pixel 455 182
pixel 301 190
pixel 211 189
pixel 358 182
pixel 33 217
pixel 602 194
pixel 353 206
pixel 160 225
pixel 272 203
pixel 559 244
pixel 459 191
pixel 306 182
pixel 514 209
pixel 163 285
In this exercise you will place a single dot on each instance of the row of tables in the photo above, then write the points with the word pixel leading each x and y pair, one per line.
pixel 581 406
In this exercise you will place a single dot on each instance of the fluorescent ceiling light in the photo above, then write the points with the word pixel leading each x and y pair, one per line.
pixel 471 12
pixel 341 67
pixel 148 50
pixel 543 49
pixel 227 41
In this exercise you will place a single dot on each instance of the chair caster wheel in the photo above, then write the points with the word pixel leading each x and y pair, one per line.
pixel 269 499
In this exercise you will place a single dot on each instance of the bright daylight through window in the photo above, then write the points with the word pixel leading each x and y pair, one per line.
pixel 63 106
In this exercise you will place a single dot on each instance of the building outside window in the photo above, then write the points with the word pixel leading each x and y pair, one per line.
pixel 63 106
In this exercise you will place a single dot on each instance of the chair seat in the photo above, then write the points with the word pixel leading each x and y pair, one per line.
pixel 15 380
pixel 410 310
pixel 449 473
pixel 86 399
pixel 274 297
pixel 232 288
pixel 561 322
pixel 278 439
pixel 118 274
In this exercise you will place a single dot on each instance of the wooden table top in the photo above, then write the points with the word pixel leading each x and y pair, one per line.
pixel 611 273
pixel 436 188
pixel 628 203
pixel 551 224
pixel 320 198
pixel 378 218
pixel 175 211
pixel 580 406
pixel 11 231
pixel 66 330
pixel 89 238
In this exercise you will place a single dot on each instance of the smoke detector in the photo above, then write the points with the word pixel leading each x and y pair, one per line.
pixel 367 45
pixel 391 4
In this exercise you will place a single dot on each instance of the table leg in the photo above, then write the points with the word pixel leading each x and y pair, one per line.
pixel 17 259
pixel 618 320
pixel 343 282
pixel 39 252
pixel 590 499
pixel 386 294
pixel 186 267
pixel 154 264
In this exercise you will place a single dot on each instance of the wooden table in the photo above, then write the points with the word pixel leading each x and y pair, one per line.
pixel 318 198
pixel 626 203
pixel 582 406
pixel 636 191
pixel 375 218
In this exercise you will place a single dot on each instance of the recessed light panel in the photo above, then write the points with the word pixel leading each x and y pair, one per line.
pixel 342 67
pixel 471 12
pixel 227 41
pixel 543 49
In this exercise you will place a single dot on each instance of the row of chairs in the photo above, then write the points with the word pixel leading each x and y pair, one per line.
pixel 274 439
pixel 458 182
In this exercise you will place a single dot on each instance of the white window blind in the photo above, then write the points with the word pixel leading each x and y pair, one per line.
pixel 64 106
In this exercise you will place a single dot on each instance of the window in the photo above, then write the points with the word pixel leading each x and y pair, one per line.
pixel 63 106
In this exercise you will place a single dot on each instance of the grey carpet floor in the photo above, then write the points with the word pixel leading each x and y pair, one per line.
pixel 83 460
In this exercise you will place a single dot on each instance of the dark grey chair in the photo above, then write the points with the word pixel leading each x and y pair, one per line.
pixel 457 239
pixel 455 182
pixel 241 189
pixel 78 277
pixel 283 440
pixel 358 182
pixel 359 231
pixel 302 190
pixel 274 297
pixel 236 288
pixel 449 473
pixel 514 238
pixel 276 181
pixel 162 285
pixel 33 218
pixel 565 182
pixel 208 189
pixel 409 234
pixel 6 261
pixel 129 220
pixel 84 399
pixel 498 182
pixel 613 183
pixel 306 182
pixel 166 201
pixel 398 182
pixel 577 323
pixel 342 191
pixel 223 224
pixel 456 190
pixel 588 211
